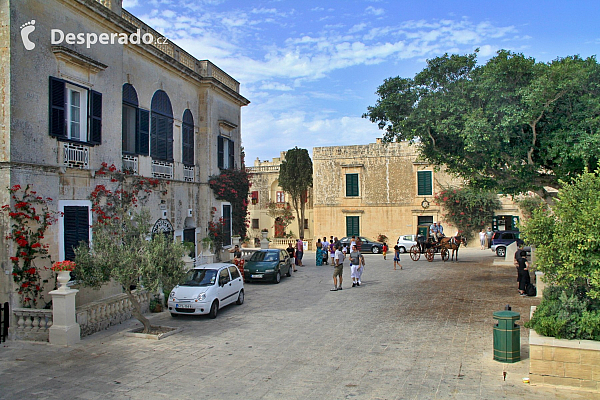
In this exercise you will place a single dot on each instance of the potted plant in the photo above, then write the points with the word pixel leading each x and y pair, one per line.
pixel 264 232
pixel 63 269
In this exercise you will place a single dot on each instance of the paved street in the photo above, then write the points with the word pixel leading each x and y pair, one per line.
pixel 424 332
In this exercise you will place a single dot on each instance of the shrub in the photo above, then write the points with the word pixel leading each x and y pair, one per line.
pixel 567 314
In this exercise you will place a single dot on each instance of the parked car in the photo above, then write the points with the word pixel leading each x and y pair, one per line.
pixel 366 244
pixel 206 289
pixel 268 265
pixel 501 240
pixel 405 242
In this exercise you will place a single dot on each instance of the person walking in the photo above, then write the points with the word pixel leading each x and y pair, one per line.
pixel 319 253
pixel 355 266
pixel 397 257
pixel 338 269
pixel 361 269
pixel 384 250
pixel 488 236
pixel 482 239
pixel 299 251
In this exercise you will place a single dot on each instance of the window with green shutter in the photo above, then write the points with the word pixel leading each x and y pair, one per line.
pixel 424 183
pixel 352 226
pixel 351 185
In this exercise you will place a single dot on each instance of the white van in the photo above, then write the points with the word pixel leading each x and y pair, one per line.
pixel 206 289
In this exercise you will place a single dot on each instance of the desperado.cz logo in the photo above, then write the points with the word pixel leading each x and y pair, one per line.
pixel 57 36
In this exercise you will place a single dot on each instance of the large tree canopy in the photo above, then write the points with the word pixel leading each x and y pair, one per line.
pixel 295 177
pixel 511 125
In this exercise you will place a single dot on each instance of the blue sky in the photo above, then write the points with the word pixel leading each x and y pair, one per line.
pixel 311 68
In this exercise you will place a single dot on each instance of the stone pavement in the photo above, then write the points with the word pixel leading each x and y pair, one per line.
pixel 424 332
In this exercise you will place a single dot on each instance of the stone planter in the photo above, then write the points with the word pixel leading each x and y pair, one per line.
pixel 264 234
pixel 560 362
pixel 63 278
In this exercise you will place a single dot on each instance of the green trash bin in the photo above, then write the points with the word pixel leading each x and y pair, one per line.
pixel 507 337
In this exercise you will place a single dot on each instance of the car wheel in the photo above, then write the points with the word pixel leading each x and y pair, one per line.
pixel 214 310
pixel 375 250
pixel 277 277
pixel 402 249
pixel 174 315
pixel 289 273
pixel 240 299
pixel 501 251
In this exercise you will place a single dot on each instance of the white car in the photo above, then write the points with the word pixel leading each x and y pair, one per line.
pixel 406 242
pixel 206 289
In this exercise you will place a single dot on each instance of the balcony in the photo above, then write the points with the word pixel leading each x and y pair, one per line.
pixel 75 156
pixel 162 169
pixel 188 173
pixel 131 164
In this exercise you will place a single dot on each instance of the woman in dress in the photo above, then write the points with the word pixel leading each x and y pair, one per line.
pixel 523 273
pixel 319 256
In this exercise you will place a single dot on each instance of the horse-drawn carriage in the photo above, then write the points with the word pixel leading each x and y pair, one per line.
pixel 427 245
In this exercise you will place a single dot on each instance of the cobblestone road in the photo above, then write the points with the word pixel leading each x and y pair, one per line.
pixel 424 332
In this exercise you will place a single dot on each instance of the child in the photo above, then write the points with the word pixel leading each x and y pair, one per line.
pixel 384 250
pixel 397 257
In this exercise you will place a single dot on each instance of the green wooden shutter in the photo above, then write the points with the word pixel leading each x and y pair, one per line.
pixel 352 226
pixel 351 185
pixel 76 229
pixel 424 183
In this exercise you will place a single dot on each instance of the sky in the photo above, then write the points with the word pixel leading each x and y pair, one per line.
pixel 311 68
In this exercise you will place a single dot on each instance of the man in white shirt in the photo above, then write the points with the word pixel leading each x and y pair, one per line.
pixel 338 269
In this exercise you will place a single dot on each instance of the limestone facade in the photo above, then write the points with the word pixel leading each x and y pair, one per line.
pixel 66 106
pixel 373 189
pixel 265 188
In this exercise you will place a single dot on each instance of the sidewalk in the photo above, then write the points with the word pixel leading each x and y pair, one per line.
pixel 424 332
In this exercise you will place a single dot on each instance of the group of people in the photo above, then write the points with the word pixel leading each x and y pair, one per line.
pixel 485 238
pixel 296 252
pixel 436 231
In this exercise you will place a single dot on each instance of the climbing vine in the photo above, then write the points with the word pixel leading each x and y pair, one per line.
pixel 467 209
pixel 30 218
pixel 233 185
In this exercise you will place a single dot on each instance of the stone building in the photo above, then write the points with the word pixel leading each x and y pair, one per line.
pixel 380 188
pixel 374 189
pixel 85 82
pixel 265 188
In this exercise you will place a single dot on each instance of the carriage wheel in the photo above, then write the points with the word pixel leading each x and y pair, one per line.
pixel 429 254
pixel 445 254
pixel 415 253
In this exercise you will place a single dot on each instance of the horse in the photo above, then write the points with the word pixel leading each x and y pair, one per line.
pixel 453 243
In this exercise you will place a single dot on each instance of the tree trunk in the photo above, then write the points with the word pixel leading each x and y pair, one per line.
pixel 302 205
pixel 137 311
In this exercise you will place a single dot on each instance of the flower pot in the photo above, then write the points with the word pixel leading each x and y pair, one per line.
pixel 264 234
pixel 63 278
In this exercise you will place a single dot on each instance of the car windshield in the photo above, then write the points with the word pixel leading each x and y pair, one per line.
pixel 200 277
pixel 264 256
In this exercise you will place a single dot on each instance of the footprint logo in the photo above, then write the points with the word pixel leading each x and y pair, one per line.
pixel 26 29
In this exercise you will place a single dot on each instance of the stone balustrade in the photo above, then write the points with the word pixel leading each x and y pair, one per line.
pixel 94 317
pixel 32 324
pixel 100 315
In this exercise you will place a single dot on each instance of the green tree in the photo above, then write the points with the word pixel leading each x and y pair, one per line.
pixel 511 125
pixel 567 238
pixel 295 177
pixel 468 209
pixel 123 249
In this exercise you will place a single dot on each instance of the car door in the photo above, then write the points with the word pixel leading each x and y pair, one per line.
pixel 226 289
pixel 236 280
pixel 284 262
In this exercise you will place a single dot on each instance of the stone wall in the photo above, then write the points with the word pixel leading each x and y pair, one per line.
pixel 571 363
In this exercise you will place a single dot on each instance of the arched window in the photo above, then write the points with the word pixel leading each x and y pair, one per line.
pixel 161 127
pixel 135 124
pixel 187 138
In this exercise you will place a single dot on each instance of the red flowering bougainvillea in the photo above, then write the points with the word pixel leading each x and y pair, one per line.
pixel 282 213
pixel 30 218
pixel 233 185
pixel 467 209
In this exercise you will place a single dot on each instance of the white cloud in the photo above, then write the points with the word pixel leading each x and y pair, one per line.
pixel 375 11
